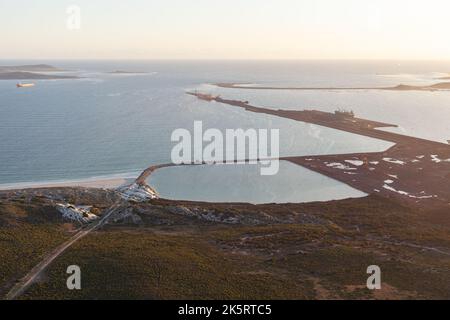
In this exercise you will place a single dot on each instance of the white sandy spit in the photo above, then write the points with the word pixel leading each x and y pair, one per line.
pixel 111 182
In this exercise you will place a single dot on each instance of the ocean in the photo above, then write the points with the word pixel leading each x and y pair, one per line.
pixel 107 125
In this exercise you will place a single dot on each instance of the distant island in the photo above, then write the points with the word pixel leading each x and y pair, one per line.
pixel 31 68
pixel 447 77
pixel 400 87
pixel 126 72
pixel 434 87
pixel 31 72
pixel 20 75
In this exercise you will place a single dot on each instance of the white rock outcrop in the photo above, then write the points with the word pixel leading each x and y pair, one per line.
pixel 137 192
pixel 76 213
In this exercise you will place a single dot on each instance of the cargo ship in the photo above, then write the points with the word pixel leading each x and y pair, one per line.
pixel 24 85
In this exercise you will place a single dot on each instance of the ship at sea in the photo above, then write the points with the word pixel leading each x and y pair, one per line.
pixel 24 85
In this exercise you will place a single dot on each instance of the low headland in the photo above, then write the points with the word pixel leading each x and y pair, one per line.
pixel 33 72
pixel 400 87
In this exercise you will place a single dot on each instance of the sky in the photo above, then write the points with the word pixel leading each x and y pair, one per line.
pixel 225 29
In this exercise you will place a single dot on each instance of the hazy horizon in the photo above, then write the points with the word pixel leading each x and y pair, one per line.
pixel 48 59
pixel 231 30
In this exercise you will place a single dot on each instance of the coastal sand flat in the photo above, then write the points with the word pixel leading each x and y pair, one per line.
pixel 112 183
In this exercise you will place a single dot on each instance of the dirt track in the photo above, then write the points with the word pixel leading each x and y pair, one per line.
pixel 31 277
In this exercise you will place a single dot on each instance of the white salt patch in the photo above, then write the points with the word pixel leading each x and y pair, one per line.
pixel 340 166
pixel 422 197
pixel 394 190
pixel 355 162
pixel 390 160
pixel 404 193
pixel 435 158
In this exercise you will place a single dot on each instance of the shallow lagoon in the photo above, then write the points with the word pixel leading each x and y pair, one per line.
pixel 243 183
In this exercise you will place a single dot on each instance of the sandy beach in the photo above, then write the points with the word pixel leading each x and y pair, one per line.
pixel 104 183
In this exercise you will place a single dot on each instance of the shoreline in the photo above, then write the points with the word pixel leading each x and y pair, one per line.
pixel 101 182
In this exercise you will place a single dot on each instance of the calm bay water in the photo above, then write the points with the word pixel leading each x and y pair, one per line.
pixel 106 124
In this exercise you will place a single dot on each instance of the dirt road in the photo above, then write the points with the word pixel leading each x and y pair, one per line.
pixel 31 277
